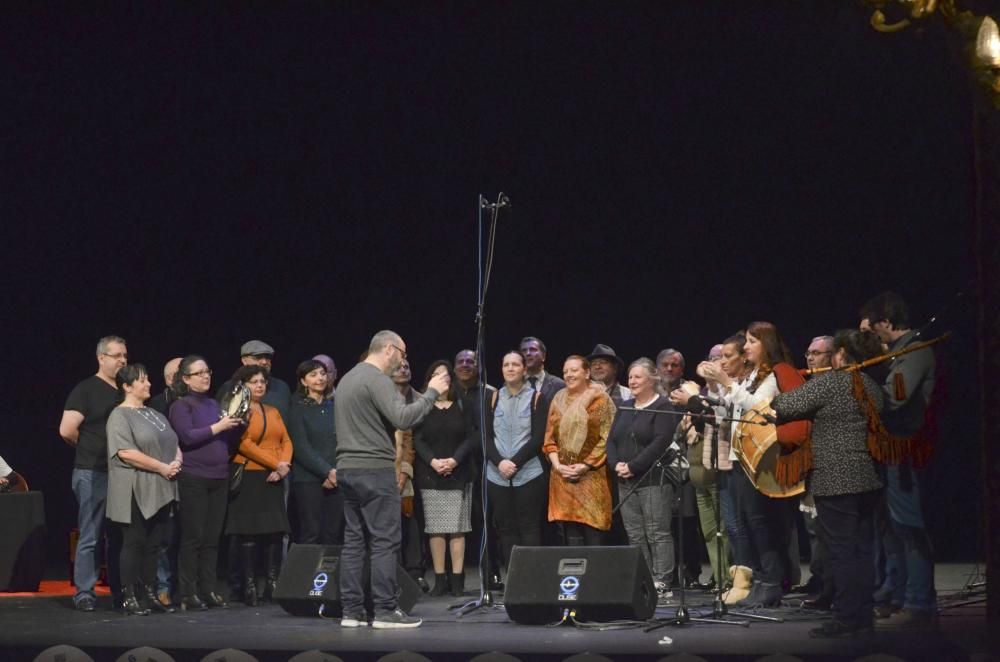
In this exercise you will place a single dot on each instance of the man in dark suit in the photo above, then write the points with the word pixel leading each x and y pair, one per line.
pixel 534 356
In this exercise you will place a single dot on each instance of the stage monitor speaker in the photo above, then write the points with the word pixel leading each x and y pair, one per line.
pixel 310 579
pixel 598 583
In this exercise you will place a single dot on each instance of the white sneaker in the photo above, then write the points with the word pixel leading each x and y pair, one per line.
pixel 395 619
pixel 353 622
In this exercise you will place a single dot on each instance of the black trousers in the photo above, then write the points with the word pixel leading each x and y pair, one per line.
pixel 517 513
pixel 577 534
pixel 141 540
pixel 847 524
pixel 202 511
pixel 321 514
pixel 413 551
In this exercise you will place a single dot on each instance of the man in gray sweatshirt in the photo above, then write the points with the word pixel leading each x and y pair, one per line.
pixel 369 409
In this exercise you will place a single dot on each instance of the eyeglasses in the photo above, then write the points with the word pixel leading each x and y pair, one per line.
pixel 117 357
pixel 201 373
pixel 402 352
pixel 815 352
pixel 258 382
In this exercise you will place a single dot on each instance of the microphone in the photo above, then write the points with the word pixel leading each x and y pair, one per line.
pixel 699 404
pixel 502 201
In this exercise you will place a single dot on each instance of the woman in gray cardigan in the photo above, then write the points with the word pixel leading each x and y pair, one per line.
pixel 143 461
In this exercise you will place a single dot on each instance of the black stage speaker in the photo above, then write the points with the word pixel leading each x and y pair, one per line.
pixel 598 583
pixel 310 579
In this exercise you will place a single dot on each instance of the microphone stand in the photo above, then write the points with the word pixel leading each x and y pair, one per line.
pixel 485 599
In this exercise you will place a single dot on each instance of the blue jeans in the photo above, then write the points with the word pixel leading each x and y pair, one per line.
pixel 739 542
pixel 91 490
pixel 372 503
pixel 646 517
pixel 907 521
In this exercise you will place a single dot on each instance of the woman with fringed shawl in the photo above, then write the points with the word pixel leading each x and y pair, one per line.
pixel 576 436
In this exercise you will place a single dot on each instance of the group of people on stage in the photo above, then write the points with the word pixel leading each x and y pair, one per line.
pixel 395 472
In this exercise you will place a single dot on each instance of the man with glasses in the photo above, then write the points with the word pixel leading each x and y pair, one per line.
pixel 819 352
pixel 84 427
pixel 368 403
pixel 279 395
pixel 820 584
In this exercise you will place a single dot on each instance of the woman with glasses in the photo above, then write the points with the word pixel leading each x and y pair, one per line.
pixel 207 440
pixel 257 513
pixel 143 461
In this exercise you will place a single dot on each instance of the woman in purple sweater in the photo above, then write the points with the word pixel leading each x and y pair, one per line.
pixel 207 440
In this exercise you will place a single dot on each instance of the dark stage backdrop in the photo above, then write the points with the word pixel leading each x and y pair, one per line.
pixel 191 178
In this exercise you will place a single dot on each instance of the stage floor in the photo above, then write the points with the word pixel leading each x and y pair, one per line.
pixel 29 623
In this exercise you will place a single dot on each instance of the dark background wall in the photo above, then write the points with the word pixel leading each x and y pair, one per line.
pixel 194 178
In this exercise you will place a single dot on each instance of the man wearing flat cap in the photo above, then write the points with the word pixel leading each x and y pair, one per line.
pixel 604 368
pixel 258 352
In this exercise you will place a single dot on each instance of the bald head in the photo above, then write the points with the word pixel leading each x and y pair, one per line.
pixel 170 370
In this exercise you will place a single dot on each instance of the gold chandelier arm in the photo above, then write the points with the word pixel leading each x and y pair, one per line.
pixel 878 22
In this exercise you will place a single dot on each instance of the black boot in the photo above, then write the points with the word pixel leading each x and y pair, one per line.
pixel 249 550
pixel 154 601
pixel 273 568
pixel 440 585
pixel 458 584
pixel 130 604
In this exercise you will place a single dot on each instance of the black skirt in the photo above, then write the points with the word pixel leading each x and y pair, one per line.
pixel 258 507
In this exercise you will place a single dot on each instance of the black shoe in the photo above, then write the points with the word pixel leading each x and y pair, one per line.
pixel 192 603
pixel 154 603
pixel 440 585
pixel 695 585
pixel 213 599
pixel 86 603
pixel 131 606
pixel 273 568
pixel 250 591
pixel 422 583
pixel 836 630
pixel 763 594
pixel 495 584
pixel 820 603
pixel 811 587
pixel 458 584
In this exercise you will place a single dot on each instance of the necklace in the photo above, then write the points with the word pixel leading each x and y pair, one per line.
pixel 152 419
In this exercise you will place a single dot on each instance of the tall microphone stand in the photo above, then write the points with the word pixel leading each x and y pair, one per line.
pixel 485 599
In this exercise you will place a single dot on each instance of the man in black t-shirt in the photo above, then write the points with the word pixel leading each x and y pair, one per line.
pixel 84 426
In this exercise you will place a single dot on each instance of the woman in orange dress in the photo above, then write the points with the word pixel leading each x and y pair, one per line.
pixel 257 514
pixel 576 436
